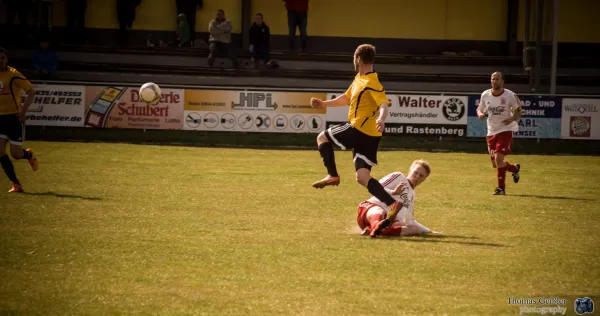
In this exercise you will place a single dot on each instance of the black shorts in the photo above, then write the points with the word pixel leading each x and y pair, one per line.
pixel 12 129
pixel 364 147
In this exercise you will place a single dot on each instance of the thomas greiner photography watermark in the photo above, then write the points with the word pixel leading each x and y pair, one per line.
pixel 544 309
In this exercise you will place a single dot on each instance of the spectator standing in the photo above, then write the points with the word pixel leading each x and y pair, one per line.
pixel 183 31
pixel 189 8
pixel 220 39
pixel 260 37
pixel 297 11
pixel 44 14
pixel 126 16
pixel 17 8
pixel 76 18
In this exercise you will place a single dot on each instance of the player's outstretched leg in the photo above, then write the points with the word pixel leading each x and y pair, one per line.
pixel 30 156
pixel 514 169
pixel 19 153
pixel 326 151
pixel 363 176
pixel 380 227
pixel 392 212
pixel 9 170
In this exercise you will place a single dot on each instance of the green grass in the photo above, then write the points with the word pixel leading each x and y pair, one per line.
pixel 134 229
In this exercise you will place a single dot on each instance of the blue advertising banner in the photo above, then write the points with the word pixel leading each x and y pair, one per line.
pixel 541 118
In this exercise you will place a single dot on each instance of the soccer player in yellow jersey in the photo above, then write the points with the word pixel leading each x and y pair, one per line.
pixel 366 115
pixel 12 119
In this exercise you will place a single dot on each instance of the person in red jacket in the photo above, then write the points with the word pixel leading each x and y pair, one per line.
pixel 297 11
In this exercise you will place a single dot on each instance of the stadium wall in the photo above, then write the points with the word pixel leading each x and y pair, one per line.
pixel 401 26
pixel 276 118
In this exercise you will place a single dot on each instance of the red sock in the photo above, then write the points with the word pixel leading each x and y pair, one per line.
pixel 501 173
pixel 374 220
pixel 392 231
pixel 510 167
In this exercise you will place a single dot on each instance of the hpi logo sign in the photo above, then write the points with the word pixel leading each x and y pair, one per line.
pixel 255 101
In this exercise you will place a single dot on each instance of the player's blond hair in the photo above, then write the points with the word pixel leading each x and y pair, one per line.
pixel 422 163
pixel 366 52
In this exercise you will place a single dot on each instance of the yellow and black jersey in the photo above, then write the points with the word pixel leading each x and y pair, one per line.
pixel 366 94
pixel 12 83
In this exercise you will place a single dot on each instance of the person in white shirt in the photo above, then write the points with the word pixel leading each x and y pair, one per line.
pixel 220 39
pixel 502 108
pixel 373 217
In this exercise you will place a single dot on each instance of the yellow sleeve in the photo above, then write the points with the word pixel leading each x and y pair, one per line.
pixel 21 82
pixel 380 97
pixel 348 92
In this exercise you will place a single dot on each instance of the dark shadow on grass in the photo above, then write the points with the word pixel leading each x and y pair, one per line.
pixel 448 236
pixel 552 197
pixel 468 243
pixel 67 196
pixel 440 238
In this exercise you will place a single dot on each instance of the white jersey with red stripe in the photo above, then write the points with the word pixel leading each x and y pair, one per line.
pixel 406 196
pixel 498 109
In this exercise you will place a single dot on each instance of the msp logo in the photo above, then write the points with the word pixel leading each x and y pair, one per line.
pixel 580 126
pixel 453 109
pixel 584 305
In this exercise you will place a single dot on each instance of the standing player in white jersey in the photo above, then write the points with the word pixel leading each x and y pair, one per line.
pixel 502 108
pixel 373 217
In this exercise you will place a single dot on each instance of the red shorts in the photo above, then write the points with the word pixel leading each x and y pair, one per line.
pixel 361 218
pixel 500 143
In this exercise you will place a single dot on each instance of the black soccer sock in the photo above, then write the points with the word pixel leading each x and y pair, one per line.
pixel 26 155
pixel 9 169
pixel 379 192
pixel 326 150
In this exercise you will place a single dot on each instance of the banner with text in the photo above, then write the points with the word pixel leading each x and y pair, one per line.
pixel 417 115
pixel 55 105
pixel 580 119
pixel 252 111
pixel 540 118
pixel 121 107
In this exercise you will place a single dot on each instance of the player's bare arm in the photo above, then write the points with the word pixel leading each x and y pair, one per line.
pixel 480 113
pixel 341 100
pixel 383 114
pixel 27 104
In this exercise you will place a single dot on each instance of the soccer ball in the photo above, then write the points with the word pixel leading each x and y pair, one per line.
pixel 150 93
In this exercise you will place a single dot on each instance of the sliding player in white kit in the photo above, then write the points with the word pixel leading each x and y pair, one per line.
pixel 503 109
pixel 371 212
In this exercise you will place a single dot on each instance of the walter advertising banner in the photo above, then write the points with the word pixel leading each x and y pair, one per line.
pixel 580 119
pixel 55 105
pixel 252 111
pixel 417 115
pixel 121 107
pixel 540 118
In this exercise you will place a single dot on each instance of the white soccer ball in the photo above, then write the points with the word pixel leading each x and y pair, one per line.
pixel 150 93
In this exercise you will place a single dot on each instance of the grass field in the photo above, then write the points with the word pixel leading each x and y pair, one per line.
pixel 132 229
